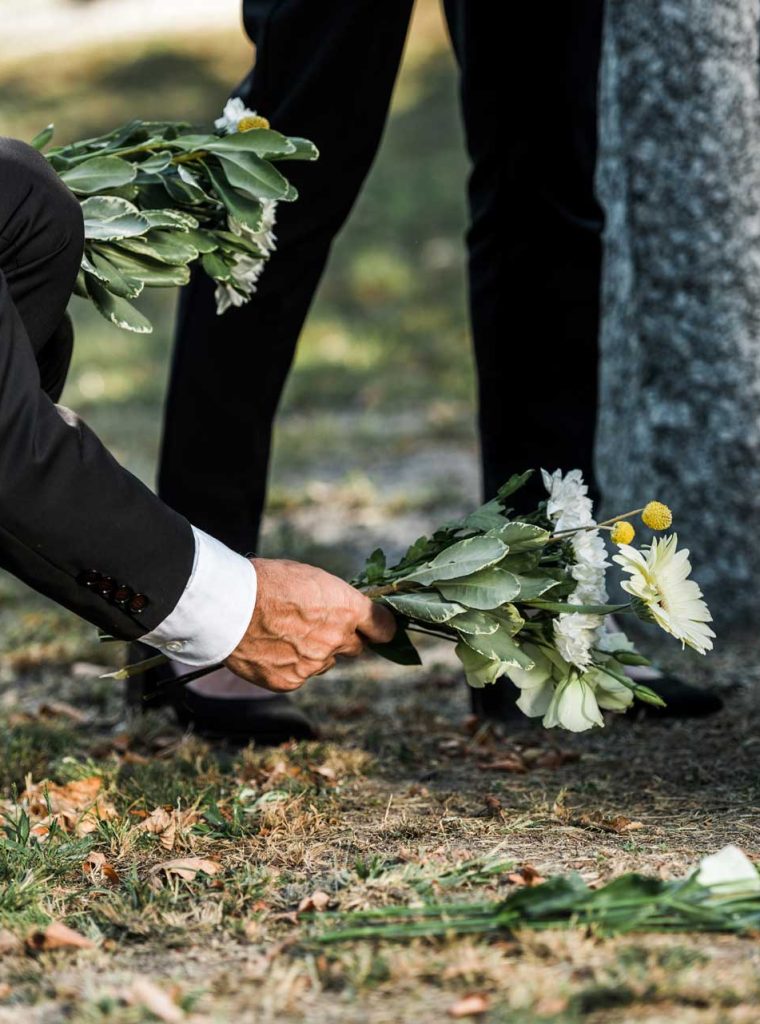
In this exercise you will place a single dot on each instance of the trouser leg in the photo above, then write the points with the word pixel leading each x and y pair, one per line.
pixel 324 71
pixel 529 105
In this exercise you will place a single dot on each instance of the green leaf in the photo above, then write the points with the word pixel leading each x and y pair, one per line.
pixel 488 517
pixel 156 162
pixel 98 173
pixel 174 219
pixel 532 587
pixel 114 279
pixel 428 607
pixel 42 138
pixel 521 537
pixel 501 646
pixel 488 588
pixel 261 142
pixel 514 484
pixel 204 241
pixel 474 622
pixel 215 267
pixel 400 650
pixel 375 566
pixel 303 149
pixel 108 218
pixel 508 618
pixel 460 559
pixel 117 309
pixel 164 247
pixel 241 207
pixel 254 176
pixel 153 274
pixel 522 563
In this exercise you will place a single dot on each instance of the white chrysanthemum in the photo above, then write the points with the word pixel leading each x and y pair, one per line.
pixel 570 508
pixel 245 274
pixel 264 237
pixel 234 112
pixel 659 579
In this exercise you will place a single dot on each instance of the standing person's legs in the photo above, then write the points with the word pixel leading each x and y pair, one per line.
pixel 529 105
pixel 324 71
pixel 534 243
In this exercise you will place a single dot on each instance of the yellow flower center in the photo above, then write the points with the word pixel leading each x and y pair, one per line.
pixel 246 124
pixel 657 516
pixel 622 533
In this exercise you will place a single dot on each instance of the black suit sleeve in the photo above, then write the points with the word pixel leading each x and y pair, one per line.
pixel 74 524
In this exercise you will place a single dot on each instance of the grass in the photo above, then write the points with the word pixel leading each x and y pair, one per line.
pixel 400 800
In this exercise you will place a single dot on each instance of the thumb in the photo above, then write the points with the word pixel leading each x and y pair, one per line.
pixel 377 623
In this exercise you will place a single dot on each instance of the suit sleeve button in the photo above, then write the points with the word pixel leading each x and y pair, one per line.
pixel 122 596
pixel 105 586
pixel 89 578
pixel 138 603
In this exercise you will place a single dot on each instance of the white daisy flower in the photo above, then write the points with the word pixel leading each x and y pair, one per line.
pixel 659 579
pixel 237 117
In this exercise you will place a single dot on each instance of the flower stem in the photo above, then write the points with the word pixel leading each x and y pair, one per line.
pixel 596 526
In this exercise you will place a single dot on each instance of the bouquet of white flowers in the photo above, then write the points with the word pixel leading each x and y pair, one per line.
pixel 525 597
pixel 156 196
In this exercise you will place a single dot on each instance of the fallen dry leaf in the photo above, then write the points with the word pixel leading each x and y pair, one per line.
pixel 187 868
pixel 469 1006
pixel 168 824
pixel 317 902
pixel 145 992
pixel 58 936
pixel 96 864
pixel 75 807
pixel 60 709
pixel 5 990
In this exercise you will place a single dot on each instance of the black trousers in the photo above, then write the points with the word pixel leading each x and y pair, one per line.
pixel 326 71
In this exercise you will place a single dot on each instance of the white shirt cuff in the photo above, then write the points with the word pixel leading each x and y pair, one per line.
pixel 213 613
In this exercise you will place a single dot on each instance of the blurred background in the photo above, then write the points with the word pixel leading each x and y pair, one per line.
pixel 376 438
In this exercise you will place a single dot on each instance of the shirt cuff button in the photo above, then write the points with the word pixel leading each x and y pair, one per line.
pixel 175 646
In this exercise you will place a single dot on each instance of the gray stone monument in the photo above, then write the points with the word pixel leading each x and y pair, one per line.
pixel 679 178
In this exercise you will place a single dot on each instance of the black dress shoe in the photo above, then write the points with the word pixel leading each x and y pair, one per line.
pixel 269 722
pixel 682 700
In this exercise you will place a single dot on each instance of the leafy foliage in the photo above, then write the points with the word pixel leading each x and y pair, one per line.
pixel 157 197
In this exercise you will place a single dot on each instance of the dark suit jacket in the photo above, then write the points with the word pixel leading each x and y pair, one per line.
pixel 74 524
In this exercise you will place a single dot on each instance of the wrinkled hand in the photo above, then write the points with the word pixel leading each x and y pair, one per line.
pixel 303 620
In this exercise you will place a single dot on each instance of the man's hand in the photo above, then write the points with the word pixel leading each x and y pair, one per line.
pixel 304 618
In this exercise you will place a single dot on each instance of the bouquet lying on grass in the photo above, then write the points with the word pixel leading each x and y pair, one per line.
pixel 157 196
pixel 722 894
pixel 526 597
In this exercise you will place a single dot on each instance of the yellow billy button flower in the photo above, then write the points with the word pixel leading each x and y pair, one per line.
pixel 657 516
pixel 622 533
pixel 246 124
